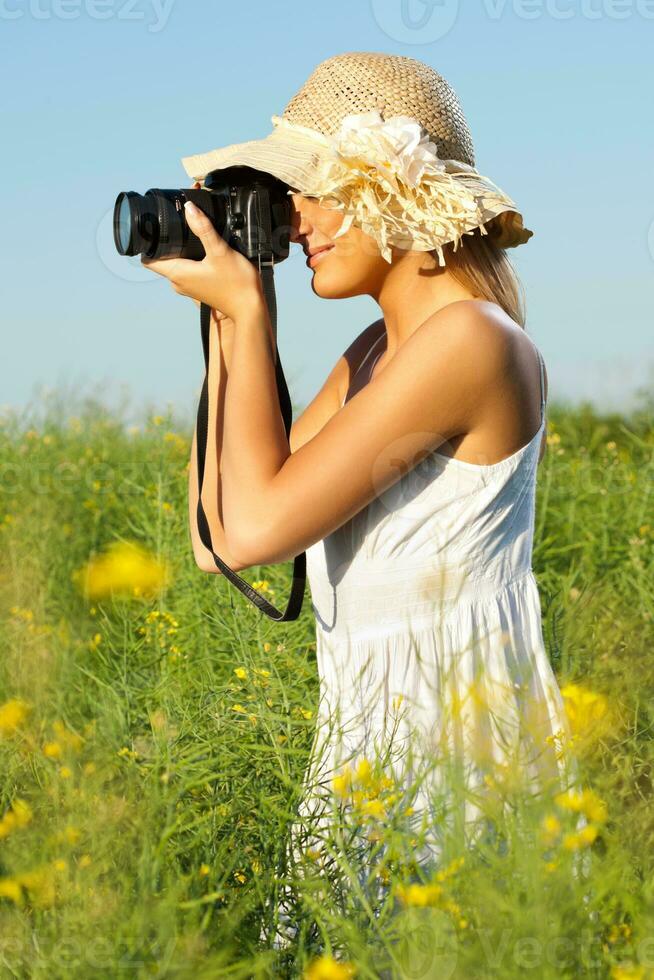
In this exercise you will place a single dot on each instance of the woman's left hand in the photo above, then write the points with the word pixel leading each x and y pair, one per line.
pixel 224 279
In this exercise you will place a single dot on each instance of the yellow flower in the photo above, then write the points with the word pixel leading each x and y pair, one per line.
pixel 419 895
pixel 65 772
pixel 124 569
pixel 240 877
pixel 586 802
pixel 550 828
pixel 327 968
pixel 373 808
pixel 12 715
pixel 204 870
pixel 238 707
pixel 342 783
pixel 241 672
pixel 451 869
pixel 583 838
pixel 363 771
pixel 10 888
pixel 17 817
pixel 85 861
pixel 584 708
pixel 629 971
pixel 52 750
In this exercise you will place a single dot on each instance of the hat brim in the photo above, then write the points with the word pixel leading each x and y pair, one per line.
pixel 295 158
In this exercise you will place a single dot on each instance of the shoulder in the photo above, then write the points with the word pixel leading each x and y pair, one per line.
pixel 477 325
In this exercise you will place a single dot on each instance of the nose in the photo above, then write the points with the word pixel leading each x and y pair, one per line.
pixel 300 224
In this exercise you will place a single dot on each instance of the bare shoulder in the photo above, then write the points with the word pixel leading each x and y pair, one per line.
pixel 506 367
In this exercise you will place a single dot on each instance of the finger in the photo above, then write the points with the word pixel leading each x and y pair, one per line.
pixel 201 226
pixel 163 267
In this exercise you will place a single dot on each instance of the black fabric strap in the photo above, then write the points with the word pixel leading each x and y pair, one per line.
pixel 299 564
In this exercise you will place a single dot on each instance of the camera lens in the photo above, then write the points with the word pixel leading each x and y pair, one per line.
pixel 123 224
pixel 136 223
pixel 154 223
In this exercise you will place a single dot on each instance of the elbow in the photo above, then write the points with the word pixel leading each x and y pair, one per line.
pixel 206 563
pixel 253 546
pixel 244 550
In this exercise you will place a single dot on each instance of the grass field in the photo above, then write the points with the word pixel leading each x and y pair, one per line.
pixel 152 745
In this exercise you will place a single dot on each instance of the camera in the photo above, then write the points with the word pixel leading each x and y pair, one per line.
pixel 250 209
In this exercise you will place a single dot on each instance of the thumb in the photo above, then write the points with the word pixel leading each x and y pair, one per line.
pixel 200 225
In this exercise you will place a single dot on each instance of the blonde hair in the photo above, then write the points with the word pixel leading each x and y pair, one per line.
pixel 484 268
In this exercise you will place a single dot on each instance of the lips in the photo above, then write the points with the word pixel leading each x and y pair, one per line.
pixel 316 257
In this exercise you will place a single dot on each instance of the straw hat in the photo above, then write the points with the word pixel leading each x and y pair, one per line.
pixel 383 138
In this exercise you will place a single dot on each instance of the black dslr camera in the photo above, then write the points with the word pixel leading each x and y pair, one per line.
pixel 251 210
pixel 248 208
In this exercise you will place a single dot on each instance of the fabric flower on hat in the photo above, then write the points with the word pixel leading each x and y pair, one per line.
pixel 386 176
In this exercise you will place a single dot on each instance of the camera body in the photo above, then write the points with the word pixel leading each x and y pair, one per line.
pixel 250 209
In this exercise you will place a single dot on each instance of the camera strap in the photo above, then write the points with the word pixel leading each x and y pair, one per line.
pixel 299 563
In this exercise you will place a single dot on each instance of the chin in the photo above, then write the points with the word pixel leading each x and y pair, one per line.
pixel 333 281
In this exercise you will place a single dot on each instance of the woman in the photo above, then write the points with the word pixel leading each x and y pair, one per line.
pixel 410 478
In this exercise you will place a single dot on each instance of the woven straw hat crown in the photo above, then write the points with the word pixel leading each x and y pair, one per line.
pixel 335 134
pixel 395 85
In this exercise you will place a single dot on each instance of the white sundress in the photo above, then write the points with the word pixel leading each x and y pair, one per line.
pixel 431 585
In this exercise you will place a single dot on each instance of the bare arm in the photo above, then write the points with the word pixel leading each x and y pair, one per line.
pixel 219 357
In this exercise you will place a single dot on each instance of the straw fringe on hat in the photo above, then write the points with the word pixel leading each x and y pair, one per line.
pixel 383 138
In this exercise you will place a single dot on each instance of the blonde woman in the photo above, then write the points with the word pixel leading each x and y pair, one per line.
pixel 410 477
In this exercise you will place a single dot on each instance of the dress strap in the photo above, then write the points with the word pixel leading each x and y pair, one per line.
pixel 370 350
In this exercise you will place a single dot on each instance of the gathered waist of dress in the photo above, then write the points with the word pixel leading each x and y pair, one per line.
pixel 380 594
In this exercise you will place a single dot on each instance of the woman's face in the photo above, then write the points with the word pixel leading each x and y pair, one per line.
pixel 352 265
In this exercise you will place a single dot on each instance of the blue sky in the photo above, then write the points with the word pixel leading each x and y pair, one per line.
pixel 107 95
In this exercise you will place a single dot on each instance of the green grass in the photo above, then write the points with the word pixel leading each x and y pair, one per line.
pixel 157 840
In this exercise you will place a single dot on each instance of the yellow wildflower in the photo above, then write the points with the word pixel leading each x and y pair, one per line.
pixel 10 888
pixel 584 708
pixel 584 837
pixel 550 828
pixel 238 707
pixel 17 817
pixel 342 782
pixel 586 802
pixel 124 569
pixel 628 971
pixel 241 672
pixel 85 861
pixel 418 894
pixel 327 968
pixel 204 870
pixel 373 808
pixel 12 715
